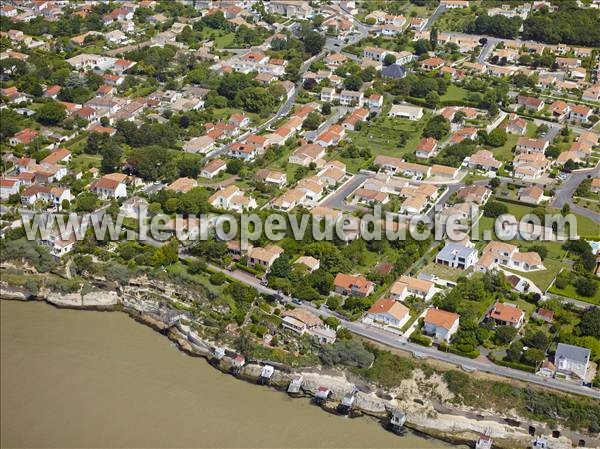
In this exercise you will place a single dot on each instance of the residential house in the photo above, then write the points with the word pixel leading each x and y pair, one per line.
pixel 504 254
pixel 182 185
pixel 54 195
pixel 272 177
pixel 232 198
pixel 532 195
pixel 430 64
pixel 303 321
pixel 213 168
pixel 427 147
pixel 201 144
pixel 111 186
pixel 483 160
pixel 457 255
pixel 504 314
pixel 440 324
pixel 530 103
pixel 351 98
pixel 530 166
pixel 408 286
pixel 306 154
pixel 353 285
pixel 473 194
pixel 244 151
pixel 529 146
pixel 580 113
pixel 406 111
pixel 264 257
pixel 8 187
pixel 572 361
pixel 516 125
pixel 23 137
pixel 387 312
pixel 443 171
pixel 309 262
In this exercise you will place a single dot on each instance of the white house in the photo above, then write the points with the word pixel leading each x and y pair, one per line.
pixel 440 324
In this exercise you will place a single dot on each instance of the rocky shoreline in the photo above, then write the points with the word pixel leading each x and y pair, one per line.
pixel 423 416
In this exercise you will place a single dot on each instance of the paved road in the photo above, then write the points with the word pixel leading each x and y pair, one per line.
pixel 553 129
pixel 487 49
pixel 441 9
pixel 564 193
pixel 338 199
pixel 338 113
pixel 380 336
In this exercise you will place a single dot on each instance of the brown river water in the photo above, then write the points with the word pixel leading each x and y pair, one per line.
pixel 91 379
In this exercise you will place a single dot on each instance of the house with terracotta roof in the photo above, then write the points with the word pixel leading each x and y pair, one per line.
pixel 473 194
pixel 289 200
pixel 559 110
pixel 306 154
pixel 8 187
pixel 409 286
pixel 272 177
pixel 244 151
pixel 61 155
pixel 264 257
pixel 52 194
pixel 110 186
pixel 353 285
pixel 532 194
pixel 387 312
pixel 357 116
pixel 504 314
pixel 483 160
pixel 427 147
pixel 530 103
pixel 516 125
pixel 309 262
pixel 502 254
pixel 440 324
pixel 24 137
pixel 303 321
pixel 530 166
pixel 529 145
pixel 182 185
pixel 232 198
pixel 580 113
pixel 368 196
pixel 430 64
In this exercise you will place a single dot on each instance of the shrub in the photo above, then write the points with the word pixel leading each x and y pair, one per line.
pixel 217 278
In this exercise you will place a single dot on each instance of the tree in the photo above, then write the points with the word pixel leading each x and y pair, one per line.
pixel 433 38
pixel 51 113
pixel 540 249
pixel 533 356
pixel 514 351
pixel 537 340
pixel 353 82
pixel 437 127
pixel 312 121
pixel 346 352
pixel 505 334
pixel 86 202
pixel 497 137
pixel 590 322
pixel 389 59
pixel 432 99
pixel 281 267
pixel 111 158
pixel 234 166
pixel 494 183
pixel 326 109
pixel 494 209
pixel 313 42
pixel 586 287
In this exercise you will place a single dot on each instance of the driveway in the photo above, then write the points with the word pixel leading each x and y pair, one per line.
pixel 564 193
pixel 338 199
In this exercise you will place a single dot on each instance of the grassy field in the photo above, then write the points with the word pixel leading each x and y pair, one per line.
pixel 454 93
pixel 455 20
pixel 221 38
pixel 542 278
pixel 504 153
pixel 570 292
pixel 85 161
pixel 444 272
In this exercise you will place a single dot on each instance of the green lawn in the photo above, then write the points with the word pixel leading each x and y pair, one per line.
pixel 444 272
pixel 570 292
pixel 542 278
pixel 454 93
pixel 221 38
pixel 83 162
pixel 504 153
